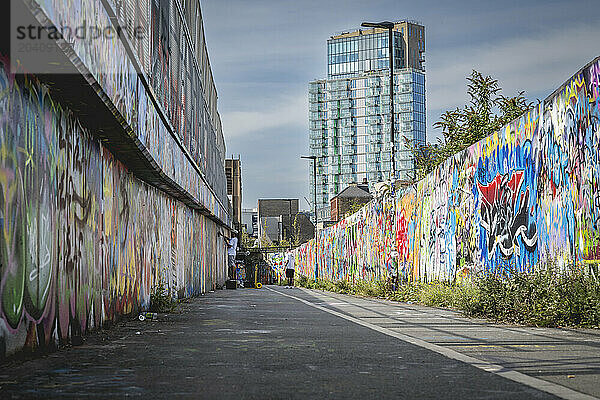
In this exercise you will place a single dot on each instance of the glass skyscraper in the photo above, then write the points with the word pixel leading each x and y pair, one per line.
pixel 349 111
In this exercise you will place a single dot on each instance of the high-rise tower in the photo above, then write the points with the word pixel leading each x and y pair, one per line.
pixel 349 111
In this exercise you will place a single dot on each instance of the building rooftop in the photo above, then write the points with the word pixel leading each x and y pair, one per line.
pixel 354 191
pixel 370 31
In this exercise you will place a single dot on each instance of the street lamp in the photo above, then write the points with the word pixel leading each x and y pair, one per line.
pixel 390 27
pixel 314 160
pixel 290 224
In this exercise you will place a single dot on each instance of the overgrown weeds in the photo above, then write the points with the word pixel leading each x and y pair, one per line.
pixel 546 298
pixel 160 300
pixel 543 298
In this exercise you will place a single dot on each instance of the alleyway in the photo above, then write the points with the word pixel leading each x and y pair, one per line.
pixel 292 343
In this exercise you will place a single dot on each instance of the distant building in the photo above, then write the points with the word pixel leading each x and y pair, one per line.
pixel 279 219
pixel 304 229
pixel 233 174
pixel 250 221
pixel 349 198
pixel 270 229
pixel 283 210
pixel 349 111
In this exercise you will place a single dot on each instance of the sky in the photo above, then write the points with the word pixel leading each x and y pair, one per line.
pixel 264 53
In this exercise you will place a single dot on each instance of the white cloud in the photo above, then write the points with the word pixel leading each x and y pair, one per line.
pixel 263 54
pixel 288 111
pixel 536 64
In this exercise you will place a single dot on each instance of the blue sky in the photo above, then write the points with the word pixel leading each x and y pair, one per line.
pixel 264 53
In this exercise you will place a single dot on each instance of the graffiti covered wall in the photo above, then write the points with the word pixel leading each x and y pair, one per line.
pixel 527 194
pixel 83 241
pixel 179 132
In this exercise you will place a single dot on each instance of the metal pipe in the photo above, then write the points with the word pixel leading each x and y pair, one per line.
pixel 314 160
pixel 391 58
pixel 390 27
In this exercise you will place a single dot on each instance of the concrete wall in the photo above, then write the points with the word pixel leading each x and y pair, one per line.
pixel 83 241
pixel 526 194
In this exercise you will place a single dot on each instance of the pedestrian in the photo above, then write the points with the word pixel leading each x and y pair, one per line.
pixel 231 253
pixel 290 268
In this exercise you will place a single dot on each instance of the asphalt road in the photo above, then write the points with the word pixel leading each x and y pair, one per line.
pixel 277 343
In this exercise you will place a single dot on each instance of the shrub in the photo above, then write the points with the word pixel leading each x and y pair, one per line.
pixel 547 297
pixel 160 301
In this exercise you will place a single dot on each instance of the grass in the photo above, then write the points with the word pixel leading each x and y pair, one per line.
pixel 545 298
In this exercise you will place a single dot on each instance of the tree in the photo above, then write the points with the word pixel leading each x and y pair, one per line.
pixel 354 206
pixel 265 241
pixel 295 239
pixel 247 242
pixel 476 120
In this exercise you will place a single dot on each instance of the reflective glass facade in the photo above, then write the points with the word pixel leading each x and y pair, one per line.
pixel 349 114
pixel 356 54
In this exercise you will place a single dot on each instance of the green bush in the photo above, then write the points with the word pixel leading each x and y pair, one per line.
pixel 343 287
pixel 548 297
pixel 160 301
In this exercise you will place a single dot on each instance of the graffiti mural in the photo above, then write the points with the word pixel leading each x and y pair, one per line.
pixel 170 143
pixel 527 194
pixel 83 241
pixel 505 215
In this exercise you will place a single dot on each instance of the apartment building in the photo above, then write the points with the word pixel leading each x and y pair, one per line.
pixel 349 111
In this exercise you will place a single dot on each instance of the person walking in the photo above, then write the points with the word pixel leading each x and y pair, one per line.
pixel 231 253
pixel 290 268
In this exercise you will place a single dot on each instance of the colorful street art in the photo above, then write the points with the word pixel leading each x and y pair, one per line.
pixel 83 241
pixel 277 262
pixel 177 146
pixel 526 195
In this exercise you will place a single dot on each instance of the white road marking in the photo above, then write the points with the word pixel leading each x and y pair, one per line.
pixel 540 384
